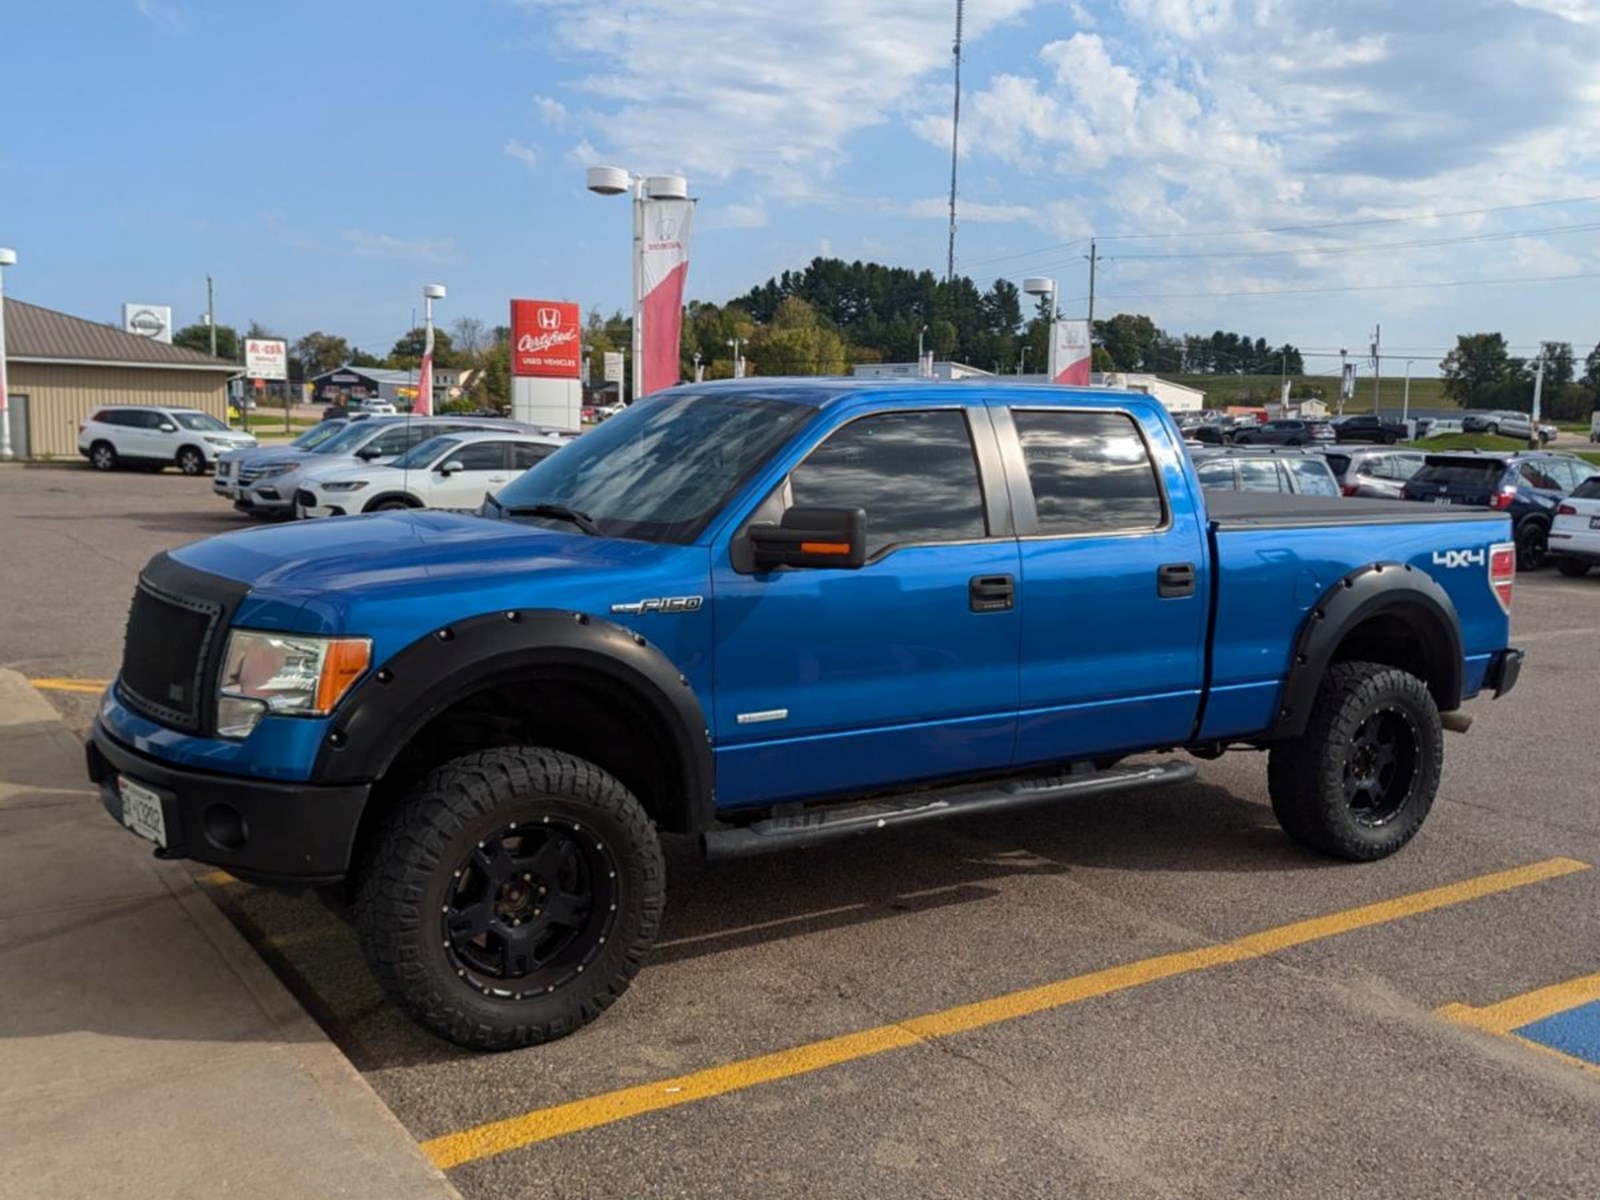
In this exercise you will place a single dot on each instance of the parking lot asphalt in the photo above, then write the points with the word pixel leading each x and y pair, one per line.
pixel 1154 995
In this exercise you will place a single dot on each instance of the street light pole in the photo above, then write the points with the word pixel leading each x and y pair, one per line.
pixel 738 362
pixel 1405 400
pixel 1040 285
pixel 424 400
pixel 921 369
pixel 7 258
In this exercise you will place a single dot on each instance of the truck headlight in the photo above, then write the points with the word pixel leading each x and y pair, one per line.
pixel 286 674
pixel 345 485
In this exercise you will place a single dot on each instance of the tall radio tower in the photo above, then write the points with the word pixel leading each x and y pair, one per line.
pixel 955 142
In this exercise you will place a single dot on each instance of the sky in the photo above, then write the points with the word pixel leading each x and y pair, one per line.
pixel 1299 170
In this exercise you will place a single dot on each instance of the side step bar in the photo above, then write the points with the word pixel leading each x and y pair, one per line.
pixel 826 823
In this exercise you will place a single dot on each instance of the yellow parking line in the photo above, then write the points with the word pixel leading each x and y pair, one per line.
pixel 499 1137
pixel 217 878
pixel 1527 1008
pixel 87 686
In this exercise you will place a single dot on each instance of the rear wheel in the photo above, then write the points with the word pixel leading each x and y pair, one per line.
pixel 1492 429
pixel 103 456
pixel 389 506
pixel 1572 568
pixel 191 461
pixel 511 898
pixel 1358 783
pixel 1532 538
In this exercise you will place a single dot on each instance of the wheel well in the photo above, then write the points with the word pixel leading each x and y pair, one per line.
pixel 1403 638
pixel 188 446
pixel 562 708
pixel 385 497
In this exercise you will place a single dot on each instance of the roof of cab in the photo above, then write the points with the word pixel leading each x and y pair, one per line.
pixel 826 392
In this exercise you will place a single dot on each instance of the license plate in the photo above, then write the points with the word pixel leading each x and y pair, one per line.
pixel 142 811
pixel 1442 500
pixel 1594 522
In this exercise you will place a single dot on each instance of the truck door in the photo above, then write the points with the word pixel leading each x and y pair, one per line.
pixel 830 681
pixel 1114 585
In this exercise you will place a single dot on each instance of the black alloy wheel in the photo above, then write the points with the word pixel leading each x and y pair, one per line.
pixel 530 908
pixel 1380 767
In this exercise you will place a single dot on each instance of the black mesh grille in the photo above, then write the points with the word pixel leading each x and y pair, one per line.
pixel 176 628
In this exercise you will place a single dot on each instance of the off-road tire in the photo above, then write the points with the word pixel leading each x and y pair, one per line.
pixel 1307 776
pixel 103 456
pixel 408 873
pixel 1572 568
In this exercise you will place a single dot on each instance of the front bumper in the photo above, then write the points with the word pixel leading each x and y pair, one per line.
pixel 266 499
pixel 310 504
pixel 1503 671
pixel 286 835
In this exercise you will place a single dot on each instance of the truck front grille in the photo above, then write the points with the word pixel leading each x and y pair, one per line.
pixel 174 643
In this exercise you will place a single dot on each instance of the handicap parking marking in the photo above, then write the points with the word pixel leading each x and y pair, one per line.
pixel 1562 1020
pixel 494 1138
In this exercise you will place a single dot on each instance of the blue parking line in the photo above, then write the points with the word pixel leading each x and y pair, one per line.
pixel 1575 1032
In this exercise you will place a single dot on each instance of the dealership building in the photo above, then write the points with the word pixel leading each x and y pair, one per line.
pixel 60 368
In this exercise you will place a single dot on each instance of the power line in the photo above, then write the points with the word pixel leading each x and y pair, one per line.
pixel 1354 224
pixel 1505 236
pixel 1379 287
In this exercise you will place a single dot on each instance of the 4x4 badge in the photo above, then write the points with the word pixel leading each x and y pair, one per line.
pixel 664 604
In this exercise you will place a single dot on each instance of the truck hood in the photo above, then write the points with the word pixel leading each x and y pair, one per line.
pixel 417 552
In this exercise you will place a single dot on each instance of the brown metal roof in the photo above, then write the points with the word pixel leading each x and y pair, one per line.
pixel 35 334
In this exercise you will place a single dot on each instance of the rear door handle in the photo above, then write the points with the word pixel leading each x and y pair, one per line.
pixel 1174 580
pixel 991 593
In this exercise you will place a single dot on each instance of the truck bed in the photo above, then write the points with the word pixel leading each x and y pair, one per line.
pixel 1270 510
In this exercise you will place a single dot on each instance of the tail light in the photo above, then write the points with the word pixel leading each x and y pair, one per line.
pixel 1503 571
pixel 1503 499
pixel 1566 510
pixel 1349 489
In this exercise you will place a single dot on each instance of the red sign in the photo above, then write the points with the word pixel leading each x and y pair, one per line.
pixel 545 339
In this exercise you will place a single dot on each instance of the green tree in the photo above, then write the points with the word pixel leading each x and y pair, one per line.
pixel 360 358
pixel 1477 366
pixel 320 352
pixel 198 337
pixel 796 342
pixel 407 352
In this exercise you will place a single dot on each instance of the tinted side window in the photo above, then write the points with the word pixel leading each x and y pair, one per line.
pixel 114 416
pixel 1217 476
pixel 1090 472
pixel 148 418
pixel 1537 474
pixel 481 456
pixel 525 454
pixel 914 473
pixel 1588 490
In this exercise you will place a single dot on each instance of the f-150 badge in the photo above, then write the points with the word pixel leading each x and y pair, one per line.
pixel 661 604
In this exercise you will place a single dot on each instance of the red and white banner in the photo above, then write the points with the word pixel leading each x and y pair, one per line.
pixel 1072 356
pixel 422 406
pixel 545 339
pixel 667 226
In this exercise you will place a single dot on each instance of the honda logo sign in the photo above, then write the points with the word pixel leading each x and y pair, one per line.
pixel 549 318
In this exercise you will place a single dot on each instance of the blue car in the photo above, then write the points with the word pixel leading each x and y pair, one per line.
pixel 1526 487
pixel 772 614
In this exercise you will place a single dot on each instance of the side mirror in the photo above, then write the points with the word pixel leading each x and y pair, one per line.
pixel 451 467
pixel 811 537
pixel 167 427
pixel 368 453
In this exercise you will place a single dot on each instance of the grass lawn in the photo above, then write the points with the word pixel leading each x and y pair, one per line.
pixel 1484 441
pixel 1223 390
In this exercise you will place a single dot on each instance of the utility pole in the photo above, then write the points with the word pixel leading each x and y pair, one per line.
pixel 211 317
pixel 955 141
pixel 1377 370
pixel 1094 257
pixel 1344 375
pixel 1538 388
pixel 1405 401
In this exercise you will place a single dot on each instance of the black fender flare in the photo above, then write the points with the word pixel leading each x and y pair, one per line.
pixel 395 701
pixel 385 497
pixel 1381 589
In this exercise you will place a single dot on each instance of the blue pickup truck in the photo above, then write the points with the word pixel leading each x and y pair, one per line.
pixel 770 614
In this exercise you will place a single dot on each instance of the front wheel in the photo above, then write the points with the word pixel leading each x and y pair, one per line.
pixel 1358 783
pixel 1492 430
pixel 511 897
pixel 191 461
pixel 1572 568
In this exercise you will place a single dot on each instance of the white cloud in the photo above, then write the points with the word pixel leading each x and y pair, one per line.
pixel 938 208
pixel 739 216
pixel 418 250
pixel 552 112
pixel 523 154
pixel 715 87
pixel 168 18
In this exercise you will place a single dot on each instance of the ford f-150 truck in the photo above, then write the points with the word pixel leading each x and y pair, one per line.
pixel 771 614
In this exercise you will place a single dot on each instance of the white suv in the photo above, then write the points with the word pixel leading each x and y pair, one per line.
pixel 143 435
pixel 453 470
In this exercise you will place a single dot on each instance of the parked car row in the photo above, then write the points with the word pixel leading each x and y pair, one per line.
pixel 1506 423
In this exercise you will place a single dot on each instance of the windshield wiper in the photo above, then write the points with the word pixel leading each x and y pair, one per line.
pixel 559 511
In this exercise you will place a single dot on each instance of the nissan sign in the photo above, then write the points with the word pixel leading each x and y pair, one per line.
pixel 153 321
pixel 545 339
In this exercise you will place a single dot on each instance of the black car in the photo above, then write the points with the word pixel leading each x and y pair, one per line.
pixel 1264 469
pixel 1284 433
pixel 1370 428
pixel 1528 487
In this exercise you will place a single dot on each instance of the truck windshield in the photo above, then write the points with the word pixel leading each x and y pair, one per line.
pixel 660 470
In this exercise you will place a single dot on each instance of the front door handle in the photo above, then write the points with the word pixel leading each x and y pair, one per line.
pixel 992 593
pixel 1174 580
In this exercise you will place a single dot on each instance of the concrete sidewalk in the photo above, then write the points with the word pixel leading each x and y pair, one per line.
pixel 144 1049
